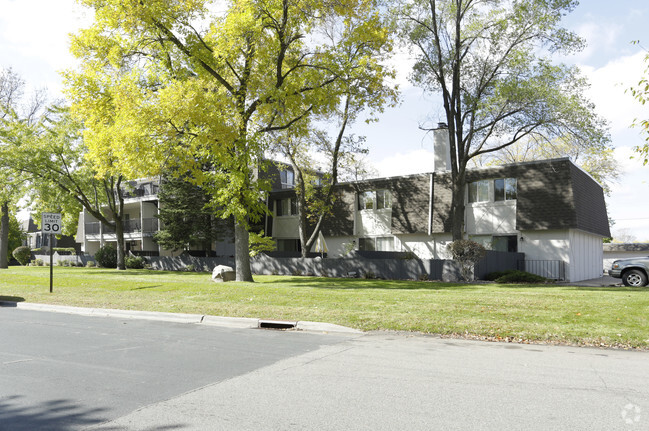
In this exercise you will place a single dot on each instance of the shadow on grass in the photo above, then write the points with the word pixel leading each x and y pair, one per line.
pixel 361 284
pixel 9 300
pixel 147 287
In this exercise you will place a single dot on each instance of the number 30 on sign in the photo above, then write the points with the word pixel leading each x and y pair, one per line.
pixel 51 223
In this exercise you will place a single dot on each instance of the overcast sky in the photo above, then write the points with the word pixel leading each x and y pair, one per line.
pixel 34 42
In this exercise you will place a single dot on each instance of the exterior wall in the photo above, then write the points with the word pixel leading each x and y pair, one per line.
pixel 425 246
pixel 338 246
pixel 586 256
pixel 373 222
pixel 491 218
pixel 285 227
pixel 581 251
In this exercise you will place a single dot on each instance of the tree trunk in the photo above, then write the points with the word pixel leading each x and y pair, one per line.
pixel 457 211
pixel 242 253
pixel 4 236
pixel 119 234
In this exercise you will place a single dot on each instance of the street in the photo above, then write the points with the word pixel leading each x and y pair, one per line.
pixel 71 372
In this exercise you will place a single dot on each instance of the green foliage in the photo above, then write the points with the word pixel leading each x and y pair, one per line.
pixel 106 256
pixel 22 254
pixel 260 243
pixel 467 253
pixel 186 219
pixel 39 262
pixel 134 262
pixel 641 93
pixel 90 264
pixel 516 276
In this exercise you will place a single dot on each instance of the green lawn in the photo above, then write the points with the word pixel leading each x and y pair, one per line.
pixel 589 316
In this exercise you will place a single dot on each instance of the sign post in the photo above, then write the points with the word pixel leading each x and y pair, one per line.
pixel 51 224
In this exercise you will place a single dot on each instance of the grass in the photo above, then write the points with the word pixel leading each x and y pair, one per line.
pixel 607 316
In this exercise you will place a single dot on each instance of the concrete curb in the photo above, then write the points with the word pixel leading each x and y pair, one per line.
pixel 225 322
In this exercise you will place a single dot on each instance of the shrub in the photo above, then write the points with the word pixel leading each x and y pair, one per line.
pixel 515 276
pixel 190 268
pixel 467 253
pixel 39 262
pixel 133 262
pixel 90 264
pixel 492 276
pixel 22 254
pixel 106 256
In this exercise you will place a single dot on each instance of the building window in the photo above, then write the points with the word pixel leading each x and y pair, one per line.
pixel 479 191
pixel 287 178
pixel 505 243
pixel 366 201
pixel 385 243
pixel 505 189
pixel 285 207
pixel 383 199
pixel 288 245
pixel 375 199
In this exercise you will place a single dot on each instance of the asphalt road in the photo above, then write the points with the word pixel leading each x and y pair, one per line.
pixel 66 372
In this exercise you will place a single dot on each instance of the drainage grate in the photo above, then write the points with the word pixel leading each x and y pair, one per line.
pixel 276 324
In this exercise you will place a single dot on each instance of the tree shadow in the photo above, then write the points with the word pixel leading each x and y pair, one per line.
pixel 366 284
pixel 10 301
pixel 147 287
pixel 54 415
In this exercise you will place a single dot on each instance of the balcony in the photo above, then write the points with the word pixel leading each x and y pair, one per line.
pixel 146 226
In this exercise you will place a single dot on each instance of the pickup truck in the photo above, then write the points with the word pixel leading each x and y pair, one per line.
pixel 633 272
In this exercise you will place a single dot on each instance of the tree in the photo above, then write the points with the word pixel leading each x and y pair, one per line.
pixel 16 117
pixel 641 93
pixel 50 154
pixel 467 253
pixel 489 62
pixel 185 215
pixel 164 85
pixel 363 46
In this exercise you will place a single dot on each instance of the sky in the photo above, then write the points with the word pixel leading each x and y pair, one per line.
pixel 34 42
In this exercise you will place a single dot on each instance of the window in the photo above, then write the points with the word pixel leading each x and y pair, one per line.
pixel 505 243
pixel 287 178
pixel 366 201
pixel 375 199
pixel 479 191
pixel 505 189
pixel 385 243
pixel 285 207
pixel 288 245
pixel 383 199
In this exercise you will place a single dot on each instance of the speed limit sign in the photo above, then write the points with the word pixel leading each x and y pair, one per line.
pixel 51 223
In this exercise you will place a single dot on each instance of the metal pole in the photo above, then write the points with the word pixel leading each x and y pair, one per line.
pixel 51 263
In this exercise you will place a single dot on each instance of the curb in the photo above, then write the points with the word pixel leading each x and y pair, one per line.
pixel 224 322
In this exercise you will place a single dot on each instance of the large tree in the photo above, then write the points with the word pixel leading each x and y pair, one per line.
pixel 50 155
pixel 364 85
pixel 489 61
pixel 18 112
pixel 173 85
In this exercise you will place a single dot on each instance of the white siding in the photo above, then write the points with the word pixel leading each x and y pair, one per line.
pixel 491 218
pixel 587 256
pixel 285 227
pixel 425 246
pixel 373 222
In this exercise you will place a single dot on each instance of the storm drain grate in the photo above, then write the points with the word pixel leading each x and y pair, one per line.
pixel 276 324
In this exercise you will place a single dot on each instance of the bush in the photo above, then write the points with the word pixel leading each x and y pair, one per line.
pixel 492 276
pixel 467 253
pixel 134 262
pixel 515 276
pixel 190 268
pixel 22 254
pixel 106 256
pixel 39 262
pixel 90 264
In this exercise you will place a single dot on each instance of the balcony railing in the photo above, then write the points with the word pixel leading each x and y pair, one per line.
pixel 147 225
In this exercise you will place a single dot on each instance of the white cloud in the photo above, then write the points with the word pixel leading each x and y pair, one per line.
pixel 609 86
